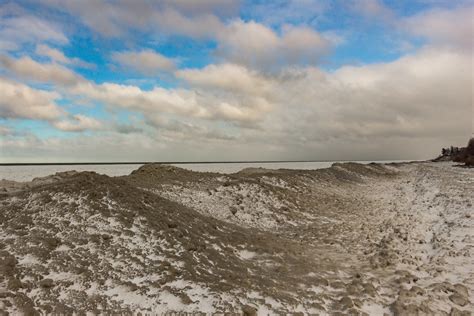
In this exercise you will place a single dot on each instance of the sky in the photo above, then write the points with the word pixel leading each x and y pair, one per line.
pixel 225 80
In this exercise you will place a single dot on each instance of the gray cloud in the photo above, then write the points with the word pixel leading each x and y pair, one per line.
pixel 427 95
pixel 260 47
pixel 20 101
pixel 423 96
pixel 228 77
pixel 184 102
pixel 18 27
pixel 146 62
pixel 444 27
pixel 29 69
pixel 249 43
pixel 59 57
pixel 172 17
pixel 217 7
pixel 5 131
pixel 265 100
pixel 174 130
pixel 127 129
pixel 407 108
pixel 78 123
pixel 375 9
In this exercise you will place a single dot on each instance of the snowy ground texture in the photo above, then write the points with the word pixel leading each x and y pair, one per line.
pixel 374 239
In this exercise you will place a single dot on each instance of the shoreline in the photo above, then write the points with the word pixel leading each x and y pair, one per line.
pixel 24 173
pixel 185 162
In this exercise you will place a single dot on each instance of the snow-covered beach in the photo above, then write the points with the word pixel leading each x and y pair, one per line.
pixel 353 238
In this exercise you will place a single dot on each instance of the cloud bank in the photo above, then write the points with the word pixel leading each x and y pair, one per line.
pixel 248 86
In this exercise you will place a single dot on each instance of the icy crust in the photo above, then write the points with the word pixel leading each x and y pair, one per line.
pixel 246 204
pixel 255 197
pixel 351 239
pixel 425 249
pixel 93 243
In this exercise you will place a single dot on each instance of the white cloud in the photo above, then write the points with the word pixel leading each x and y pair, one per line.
pixel 31 29
pixel 173 130
pixel 147 62
pixel 423 99
pixel 187 104
pixel 78 123
pixel 18 28
pixel 5 131
pixel 373 9
pixel 229 77
pixel 405 109
pixel 425 95
pixel 236 93
pixel 218 7
pixel 183 102
pixel 258 46
pixel 20 101
pixel 451 27
pixel 265 97
pixel 59 57
pixel 178 101
pixel 249 43
pixel 303 45
pixel 201 26
pixel 53 54
pixel 246 115
pixel 29 69
pixel 169 17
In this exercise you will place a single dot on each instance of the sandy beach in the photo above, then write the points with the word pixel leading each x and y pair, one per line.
pixel 373 239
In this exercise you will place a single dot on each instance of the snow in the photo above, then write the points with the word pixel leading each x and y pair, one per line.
pixel 28 260
pixel 430 204
pixel 255 208
pixel 247 255
pixel 375 309
pixel 128 297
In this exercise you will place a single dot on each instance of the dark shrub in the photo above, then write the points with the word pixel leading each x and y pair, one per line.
pixel 466 155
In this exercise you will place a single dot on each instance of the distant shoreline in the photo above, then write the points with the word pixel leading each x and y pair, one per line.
pixel 186 162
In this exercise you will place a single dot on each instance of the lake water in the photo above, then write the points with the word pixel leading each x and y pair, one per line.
pixel 28 173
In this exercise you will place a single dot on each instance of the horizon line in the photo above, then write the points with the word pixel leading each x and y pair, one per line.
pixel 176 162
